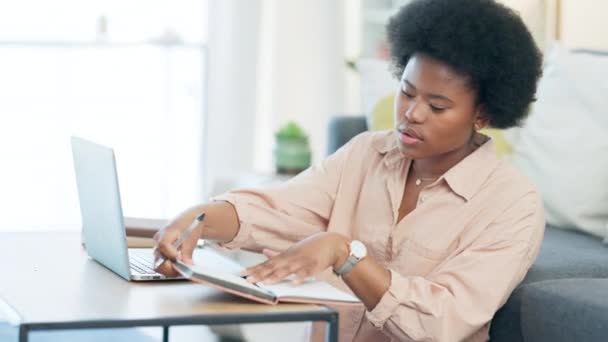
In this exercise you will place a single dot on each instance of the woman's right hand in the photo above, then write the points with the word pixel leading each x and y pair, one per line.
pixel 168 235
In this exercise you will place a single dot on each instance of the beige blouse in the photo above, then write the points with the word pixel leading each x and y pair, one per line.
pixel 454 259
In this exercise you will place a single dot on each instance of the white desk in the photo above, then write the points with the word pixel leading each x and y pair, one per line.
pixel 48 282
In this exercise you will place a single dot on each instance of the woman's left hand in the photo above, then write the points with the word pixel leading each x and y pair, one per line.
pixel 304 259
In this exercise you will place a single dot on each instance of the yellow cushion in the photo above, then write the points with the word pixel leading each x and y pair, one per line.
pixel 382 119
pixel 500 142
pixel 382 115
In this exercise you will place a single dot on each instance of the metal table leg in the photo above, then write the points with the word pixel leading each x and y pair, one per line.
pixel 165 333
pixel 23 333
pixel 332 329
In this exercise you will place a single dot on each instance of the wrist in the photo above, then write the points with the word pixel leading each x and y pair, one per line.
pixel 341 247
pixel 221 223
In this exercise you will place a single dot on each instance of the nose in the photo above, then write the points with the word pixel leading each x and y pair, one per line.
pixel 414 112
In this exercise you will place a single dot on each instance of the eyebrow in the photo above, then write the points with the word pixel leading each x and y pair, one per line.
pixel 434 96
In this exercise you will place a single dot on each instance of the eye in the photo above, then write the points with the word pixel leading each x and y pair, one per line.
pixel 436 109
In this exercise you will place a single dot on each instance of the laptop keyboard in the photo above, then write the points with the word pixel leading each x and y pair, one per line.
pixel 141 264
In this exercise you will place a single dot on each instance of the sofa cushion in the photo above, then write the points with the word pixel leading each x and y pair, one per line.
pixel 565 310
pixel 506 323
pixel 564 254
pixel 569 254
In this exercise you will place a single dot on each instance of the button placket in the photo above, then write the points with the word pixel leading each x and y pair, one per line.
pixel 422 197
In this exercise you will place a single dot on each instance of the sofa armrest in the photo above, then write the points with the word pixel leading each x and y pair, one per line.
pixel 343 128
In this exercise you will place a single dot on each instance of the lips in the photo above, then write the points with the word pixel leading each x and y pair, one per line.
pixel 411 133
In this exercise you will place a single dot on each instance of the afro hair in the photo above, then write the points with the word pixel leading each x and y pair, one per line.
pixel 485 41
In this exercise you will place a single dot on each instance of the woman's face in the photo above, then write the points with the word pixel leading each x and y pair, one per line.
pixel 435 109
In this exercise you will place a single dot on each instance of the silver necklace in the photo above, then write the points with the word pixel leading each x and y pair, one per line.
pixel 419 180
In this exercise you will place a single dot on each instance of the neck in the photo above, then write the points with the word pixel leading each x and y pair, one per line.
pixel 436 166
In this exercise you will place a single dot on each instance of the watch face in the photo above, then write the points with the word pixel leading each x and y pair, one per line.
pixel 357 248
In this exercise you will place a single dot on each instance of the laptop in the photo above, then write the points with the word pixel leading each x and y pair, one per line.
pixel 103 229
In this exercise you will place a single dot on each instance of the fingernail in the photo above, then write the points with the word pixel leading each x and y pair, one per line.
pixel 251 279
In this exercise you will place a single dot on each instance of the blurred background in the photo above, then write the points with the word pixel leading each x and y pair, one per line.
pixel 190 93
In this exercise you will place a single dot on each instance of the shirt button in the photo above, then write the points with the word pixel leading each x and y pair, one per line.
pixel 422 199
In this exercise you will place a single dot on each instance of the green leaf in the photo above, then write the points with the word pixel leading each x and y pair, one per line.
pixel 291 131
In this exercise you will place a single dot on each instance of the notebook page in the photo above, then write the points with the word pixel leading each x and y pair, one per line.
pixel 312 289
pixel 211 259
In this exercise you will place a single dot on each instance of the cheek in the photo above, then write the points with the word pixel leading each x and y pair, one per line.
pixel 453 127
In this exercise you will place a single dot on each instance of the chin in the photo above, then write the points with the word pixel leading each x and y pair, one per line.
pixel 408 151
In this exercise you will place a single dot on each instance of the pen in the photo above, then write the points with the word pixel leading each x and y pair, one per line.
pixel 178 243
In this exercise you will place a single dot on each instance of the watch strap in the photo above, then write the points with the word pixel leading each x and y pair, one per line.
pixel 348 265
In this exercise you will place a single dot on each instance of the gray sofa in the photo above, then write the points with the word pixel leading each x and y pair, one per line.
pixel 564 296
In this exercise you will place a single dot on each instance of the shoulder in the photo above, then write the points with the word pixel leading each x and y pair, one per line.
pixel 513 182
pixel 516 195
pixel 367 144
pixel 367 150
pixel 524 214
pixel 377 141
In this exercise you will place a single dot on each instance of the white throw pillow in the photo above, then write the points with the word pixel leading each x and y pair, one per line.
pixel 563 145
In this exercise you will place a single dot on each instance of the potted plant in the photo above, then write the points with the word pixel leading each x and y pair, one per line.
pixel 292 151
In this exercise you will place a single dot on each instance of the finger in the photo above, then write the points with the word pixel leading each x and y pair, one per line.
pixel 257 273
pixel 165 245
pixel 257 268
pixel 189 245
pixel 166 268
pixel 262 271
pixel 301 276
pixel 269 253
pixel 283 272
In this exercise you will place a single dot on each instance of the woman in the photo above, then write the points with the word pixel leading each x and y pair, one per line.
pixel 423 224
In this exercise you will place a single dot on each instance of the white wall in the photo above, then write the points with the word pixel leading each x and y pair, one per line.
pixel 536 14
pixel 272 61
pixel 301 72
pixel 584 24
pixel 233 60
pixel 576 23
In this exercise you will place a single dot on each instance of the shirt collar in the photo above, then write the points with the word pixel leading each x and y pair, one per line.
pixel 464 178
pixel 467 177
pixel 386 144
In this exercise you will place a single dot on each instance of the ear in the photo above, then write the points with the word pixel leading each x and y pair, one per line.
pixel 481 118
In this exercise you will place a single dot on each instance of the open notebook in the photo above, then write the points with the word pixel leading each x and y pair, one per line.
pixel 228 280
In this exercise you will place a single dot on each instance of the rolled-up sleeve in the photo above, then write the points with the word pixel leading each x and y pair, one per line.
pixel 275 217
pixel 462 294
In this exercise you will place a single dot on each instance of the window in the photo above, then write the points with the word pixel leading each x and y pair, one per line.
pixel 130 75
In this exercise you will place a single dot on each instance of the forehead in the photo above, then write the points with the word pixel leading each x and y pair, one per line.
pixel 428 74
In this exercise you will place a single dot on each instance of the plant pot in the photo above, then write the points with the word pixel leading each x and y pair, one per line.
pixel 291 155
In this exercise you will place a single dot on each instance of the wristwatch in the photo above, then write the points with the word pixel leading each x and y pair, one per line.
pixel 358 251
